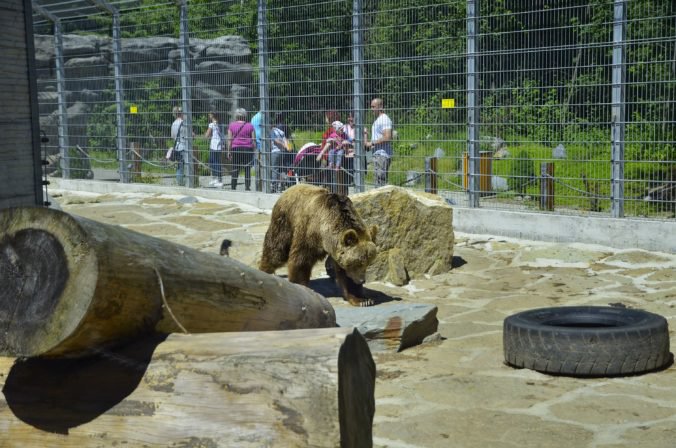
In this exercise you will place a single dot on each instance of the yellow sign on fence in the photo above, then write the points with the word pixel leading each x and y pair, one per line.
pixel 133 109
pixel 448 103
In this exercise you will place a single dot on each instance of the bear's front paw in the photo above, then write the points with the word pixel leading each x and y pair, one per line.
pixel 356 301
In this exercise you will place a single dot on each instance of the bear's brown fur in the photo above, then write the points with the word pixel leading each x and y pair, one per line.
pixel 308 223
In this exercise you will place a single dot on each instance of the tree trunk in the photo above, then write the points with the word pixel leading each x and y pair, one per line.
pixel 70 285
pixel 298 388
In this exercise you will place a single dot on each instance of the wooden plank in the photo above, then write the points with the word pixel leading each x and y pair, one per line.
pixel 296 388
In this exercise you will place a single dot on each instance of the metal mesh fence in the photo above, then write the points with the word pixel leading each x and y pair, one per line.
pixel 564 106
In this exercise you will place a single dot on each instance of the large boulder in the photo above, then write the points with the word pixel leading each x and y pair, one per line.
pixel 415 233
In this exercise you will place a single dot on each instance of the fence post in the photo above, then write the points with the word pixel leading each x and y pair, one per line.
pixel 618 109
pixel 184 44
pixel 431 175
pixel 60 90
pixel 119 98
pixel 472 103
pixel 263 91
pixel 547 186
pixel 119 90
pixel 358 91
pixel 341 182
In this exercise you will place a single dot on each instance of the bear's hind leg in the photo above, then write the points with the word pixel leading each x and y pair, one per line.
pixel 276 245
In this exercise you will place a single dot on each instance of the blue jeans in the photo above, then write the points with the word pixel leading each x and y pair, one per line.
pixel 216 164
pixel 183 159
pixel 336 157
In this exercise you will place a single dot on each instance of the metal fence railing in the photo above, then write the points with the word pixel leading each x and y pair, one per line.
pixel 565 107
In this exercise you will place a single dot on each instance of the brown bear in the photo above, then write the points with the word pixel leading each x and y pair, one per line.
pixel 308 223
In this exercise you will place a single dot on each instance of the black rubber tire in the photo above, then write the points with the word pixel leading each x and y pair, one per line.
pixel 586 341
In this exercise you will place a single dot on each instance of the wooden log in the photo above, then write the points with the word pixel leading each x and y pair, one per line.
pixel 70 285
pixel 296 388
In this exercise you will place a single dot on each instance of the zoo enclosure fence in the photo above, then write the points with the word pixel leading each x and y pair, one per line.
pixel 564 107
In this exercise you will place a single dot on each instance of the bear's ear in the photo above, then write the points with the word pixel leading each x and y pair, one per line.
pixel 349 237
pixel 373 232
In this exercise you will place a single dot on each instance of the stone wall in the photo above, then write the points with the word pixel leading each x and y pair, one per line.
pixel 221 75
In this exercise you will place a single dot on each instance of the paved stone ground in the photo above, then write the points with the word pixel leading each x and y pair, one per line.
pixel 456 391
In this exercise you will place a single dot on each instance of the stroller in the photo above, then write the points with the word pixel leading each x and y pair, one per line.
pixel 305 166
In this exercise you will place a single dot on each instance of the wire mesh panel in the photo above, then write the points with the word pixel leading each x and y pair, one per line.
pixel 650 172
pixel 82 84
pixel 310 88
pixel 545 103
pixel 415 61
pixel 150 67
pixel 559 106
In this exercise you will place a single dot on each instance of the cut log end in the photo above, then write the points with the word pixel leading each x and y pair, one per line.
pixel 34 274
pixel 45 263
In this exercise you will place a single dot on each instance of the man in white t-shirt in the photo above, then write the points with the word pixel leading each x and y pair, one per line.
pixel 180 137
pixel 381 142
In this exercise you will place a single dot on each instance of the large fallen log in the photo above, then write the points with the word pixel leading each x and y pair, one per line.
pixel 296 388
pixel 70 285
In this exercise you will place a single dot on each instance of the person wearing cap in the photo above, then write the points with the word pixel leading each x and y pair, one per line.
pixel 381 142
pixel 241 145
pixel 180 137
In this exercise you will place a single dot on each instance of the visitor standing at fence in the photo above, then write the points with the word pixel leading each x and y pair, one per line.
pixel 381 142
pixel 279 147
pixel 256 122
pixel 241 147
pixel 215 135
pixel 180 153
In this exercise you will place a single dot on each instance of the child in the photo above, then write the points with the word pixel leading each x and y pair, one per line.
pixel 334 145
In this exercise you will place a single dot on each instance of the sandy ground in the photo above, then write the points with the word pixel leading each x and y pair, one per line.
pixel 456 391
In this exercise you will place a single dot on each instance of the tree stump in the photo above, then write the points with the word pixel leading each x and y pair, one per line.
pixel 70 285
pixel 301 388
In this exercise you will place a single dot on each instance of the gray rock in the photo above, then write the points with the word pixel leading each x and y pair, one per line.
pixel 501 153
pixel 147 49
pixel 434 337
pixel 417 225
pixel 499 183
pixel 390 326
pixel 234 48
pixel 488 142
pixel 89 74
pixel 188 200
pixel 497 143
pixel 412 177
pixel 396 271
pixel 559 152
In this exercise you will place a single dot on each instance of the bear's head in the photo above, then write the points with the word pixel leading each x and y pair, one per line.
pixel 356 252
